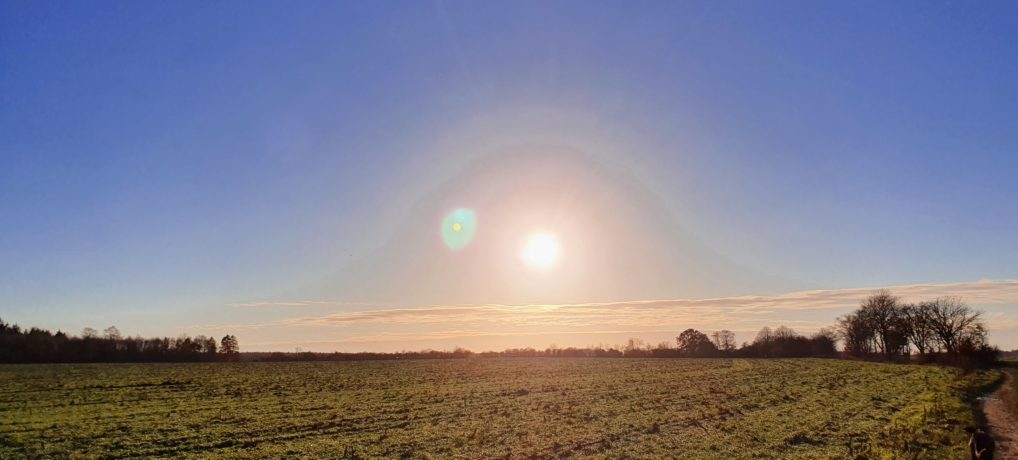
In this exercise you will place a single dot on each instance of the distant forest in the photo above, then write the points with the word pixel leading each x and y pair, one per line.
pixel 36 345
pixel 944 330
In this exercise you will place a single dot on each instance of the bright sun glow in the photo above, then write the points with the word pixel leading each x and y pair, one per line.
pixel 541 250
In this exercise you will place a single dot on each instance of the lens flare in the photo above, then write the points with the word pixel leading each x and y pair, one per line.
pixel 458 228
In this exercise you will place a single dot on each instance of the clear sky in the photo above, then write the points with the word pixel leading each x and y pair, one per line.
pixel 284 172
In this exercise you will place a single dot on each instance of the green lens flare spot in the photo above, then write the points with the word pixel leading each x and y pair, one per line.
pixel 458 228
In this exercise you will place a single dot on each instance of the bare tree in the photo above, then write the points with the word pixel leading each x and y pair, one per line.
pixel 855 331
pixel 636 347
pixel 112 333
pixel 784 332
pixel 724 340
pixel 881 311
pixel 917 322
pixel 634 344
pixel 951 321
pixel 229 347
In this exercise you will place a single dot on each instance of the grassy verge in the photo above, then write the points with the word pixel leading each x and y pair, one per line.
pixel 933 425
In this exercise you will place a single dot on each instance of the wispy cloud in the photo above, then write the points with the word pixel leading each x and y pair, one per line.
pixel 296 303
pixel 271 304
pixel 226 327
pixel 451 334
pixel 648 312
pixel 802 310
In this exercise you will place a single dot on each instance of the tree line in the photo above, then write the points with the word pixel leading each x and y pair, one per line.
pixel 944 330
pixel 277 356
pixel 782 342
pixel 34 345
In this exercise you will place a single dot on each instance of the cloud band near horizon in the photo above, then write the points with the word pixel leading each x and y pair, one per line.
pixel 803 310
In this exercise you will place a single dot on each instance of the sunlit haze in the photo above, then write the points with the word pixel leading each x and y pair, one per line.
pixel 541 250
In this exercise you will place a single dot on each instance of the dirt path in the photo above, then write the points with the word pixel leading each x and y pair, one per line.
pixel 1003 424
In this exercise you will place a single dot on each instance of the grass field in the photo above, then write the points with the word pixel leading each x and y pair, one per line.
pixel 482 408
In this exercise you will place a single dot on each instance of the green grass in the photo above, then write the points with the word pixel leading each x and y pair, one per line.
pixel 483 408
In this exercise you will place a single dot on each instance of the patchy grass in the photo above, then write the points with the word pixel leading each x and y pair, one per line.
pixel 516 408
pixel 1008 395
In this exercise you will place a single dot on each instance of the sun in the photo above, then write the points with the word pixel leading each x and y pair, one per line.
pixel 541 250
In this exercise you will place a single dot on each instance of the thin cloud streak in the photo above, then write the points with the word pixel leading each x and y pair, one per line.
pixel 453 334
pixel 272 304
pixel 649 312
pixel 296 303
pixel 804 311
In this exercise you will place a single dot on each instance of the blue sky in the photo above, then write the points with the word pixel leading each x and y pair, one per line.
pixel 163 163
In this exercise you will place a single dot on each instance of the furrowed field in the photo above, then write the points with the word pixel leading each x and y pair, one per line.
pixel 480 408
